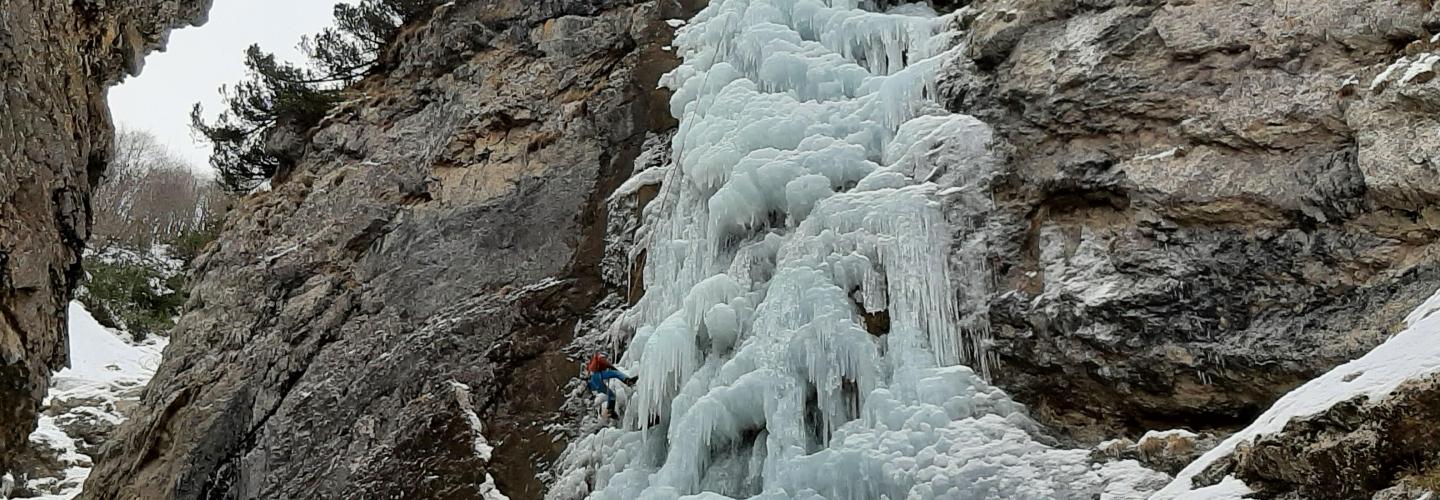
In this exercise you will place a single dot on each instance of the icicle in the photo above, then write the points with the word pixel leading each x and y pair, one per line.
pixel 841 362
pixel 803 205
pixel 716 419
pixel 670 358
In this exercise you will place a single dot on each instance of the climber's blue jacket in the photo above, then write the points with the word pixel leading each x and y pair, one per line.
pixel 597 381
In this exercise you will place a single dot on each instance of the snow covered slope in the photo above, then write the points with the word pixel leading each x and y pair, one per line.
pixel 1410 355
pixel 106 371
pixel 797 212
pixel 102 359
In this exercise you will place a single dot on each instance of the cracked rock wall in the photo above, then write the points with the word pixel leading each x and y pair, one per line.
pixel 444 226
pixel 56 60
pixel 1201 203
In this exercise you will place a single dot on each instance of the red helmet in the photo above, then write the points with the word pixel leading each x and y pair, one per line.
pixel 598 363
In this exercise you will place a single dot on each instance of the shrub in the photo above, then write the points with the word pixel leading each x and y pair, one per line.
pixel 140 295
pixel 187 245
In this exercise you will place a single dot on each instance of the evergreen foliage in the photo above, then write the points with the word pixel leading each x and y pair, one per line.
pixel 135 295
pixel 278 94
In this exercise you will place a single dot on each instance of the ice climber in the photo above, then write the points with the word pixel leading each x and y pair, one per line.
pixel 601 370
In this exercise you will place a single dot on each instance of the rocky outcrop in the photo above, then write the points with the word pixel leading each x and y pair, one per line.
pixel 73 425
pixel 56 59
pixel 1166 451
pixel 1200 204
pixel 372 325
pixel 1356 449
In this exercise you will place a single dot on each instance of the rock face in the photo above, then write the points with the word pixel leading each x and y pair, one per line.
pixel 57 59
pixel 1200 204
pixel 1356 449
pixel 369 326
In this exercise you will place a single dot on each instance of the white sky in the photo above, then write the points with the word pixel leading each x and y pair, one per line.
pixel 199 60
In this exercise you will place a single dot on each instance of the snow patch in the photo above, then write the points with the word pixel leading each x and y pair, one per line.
pixel 1170 434
pixel 104 366
pixel 1410 354
pixel 102 359
pixel 77 465
pixel 1227 489
pixel 481 445
pixel 1169 153
pixel 1425 65
pixel 1384 77
pixel 488 490
pixel 647 177
pixel 1405 71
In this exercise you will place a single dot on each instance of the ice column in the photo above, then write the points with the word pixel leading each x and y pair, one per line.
pixel 800 335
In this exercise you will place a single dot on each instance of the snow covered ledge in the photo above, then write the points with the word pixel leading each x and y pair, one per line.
pixel 1352 432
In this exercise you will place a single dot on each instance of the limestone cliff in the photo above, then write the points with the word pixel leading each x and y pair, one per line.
pixel 1200 204
pixel 1197 205
pixel 56 60
pixel 375 322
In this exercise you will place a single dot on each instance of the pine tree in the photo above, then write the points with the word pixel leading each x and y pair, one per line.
pixel 280 94
pixel 352 47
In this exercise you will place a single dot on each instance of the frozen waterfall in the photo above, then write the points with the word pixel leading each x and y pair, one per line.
pixel 802 203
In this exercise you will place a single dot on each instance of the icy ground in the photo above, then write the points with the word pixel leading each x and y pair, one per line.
pixel 800 336
pixel 107 371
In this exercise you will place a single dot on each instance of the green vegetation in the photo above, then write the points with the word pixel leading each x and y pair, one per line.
pixel 137 296
pixel 187 245
pixel 152 215
pixel 139 292
pixel 278 95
